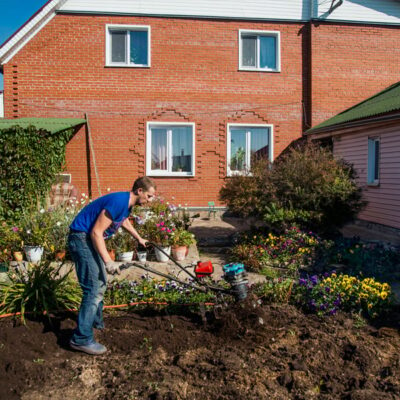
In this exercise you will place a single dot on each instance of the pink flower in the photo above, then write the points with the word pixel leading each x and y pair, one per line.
pixel 15 229
pixel 163 229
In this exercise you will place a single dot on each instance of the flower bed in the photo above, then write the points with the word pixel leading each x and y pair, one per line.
pixel 290 250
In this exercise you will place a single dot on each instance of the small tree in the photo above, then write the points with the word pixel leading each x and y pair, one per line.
pixel 306 186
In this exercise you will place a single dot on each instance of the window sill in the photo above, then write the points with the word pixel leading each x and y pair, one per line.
pixel 126 66
pixel 259 70
pixel 373 184
pixel 171 174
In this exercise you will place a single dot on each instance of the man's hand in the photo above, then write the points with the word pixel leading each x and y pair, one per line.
pixel 143 242
pixel 112 268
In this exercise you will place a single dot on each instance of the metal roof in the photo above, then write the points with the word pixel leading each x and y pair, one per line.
pixel 52 125
pixel 384 102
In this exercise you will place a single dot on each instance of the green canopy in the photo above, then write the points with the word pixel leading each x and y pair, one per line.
pixel 52 125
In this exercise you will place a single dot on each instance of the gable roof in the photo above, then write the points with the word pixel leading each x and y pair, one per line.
pixel 52 125
pixel 384 102
pixel 28 30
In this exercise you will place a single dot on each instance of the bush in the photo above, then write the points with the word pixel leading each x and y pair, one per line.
pixel 39 289
pixel 27 171
pixel 306 186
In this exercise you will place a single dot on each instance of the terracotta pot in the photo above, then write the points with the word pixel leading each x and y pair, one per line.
pixel 18 256
pixel 179 252
pixel 60 255
pixel 112 254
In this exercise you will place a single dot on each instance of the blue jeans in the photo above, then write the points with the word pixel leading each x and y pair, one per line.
pixel 92 278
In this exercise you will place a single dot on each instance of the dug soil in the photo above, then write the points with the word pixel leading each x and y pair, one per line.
pixel 251 351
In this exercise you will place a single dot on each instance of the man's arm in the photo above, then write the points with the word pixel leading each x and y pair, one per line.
pixel 129 228
pixel 102 223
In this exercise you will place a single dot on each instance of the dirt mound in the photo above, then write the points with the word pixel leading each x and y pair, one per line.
pixel 249 352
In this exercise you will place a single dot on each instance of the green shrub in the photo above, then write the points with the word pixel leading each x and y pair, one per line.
pixel 306 186
pixel 30 160
pixel 39 289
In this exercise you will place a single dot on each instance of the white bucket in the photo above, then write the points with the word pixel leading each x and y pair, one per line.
pixel 160 256
pixel 142 256
pixel 125 256
pixel 33 253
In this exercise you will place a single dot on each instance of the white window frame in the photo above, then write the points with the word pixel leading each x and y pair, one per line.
pixel 128 28
pixel 248 143
pixel 258 33
pixel 169 172
pixel 371 161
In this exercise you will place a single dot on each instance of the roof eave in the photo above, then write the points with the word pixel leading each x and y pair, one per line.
pixel 326 131
pixel 28 30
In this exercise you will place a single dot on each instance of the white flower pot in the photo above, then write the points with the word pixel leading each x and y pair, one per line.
pixel 125 256
pixel 33 253
pixel 142 256
pixel 161 257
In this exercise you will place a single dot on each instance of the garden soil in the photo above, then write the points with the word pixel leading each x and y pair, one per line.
pixel 250 351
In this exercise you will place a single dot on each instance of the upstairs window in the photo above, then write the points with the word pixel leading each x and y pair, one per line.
pixel 373 161
pixel 128 46
pixel 170 149
pixel 246 143
pixel 259 51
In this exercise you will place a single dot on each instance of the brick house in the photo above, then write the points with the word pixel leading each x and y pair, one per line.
pixel 367 135
pixel 185 91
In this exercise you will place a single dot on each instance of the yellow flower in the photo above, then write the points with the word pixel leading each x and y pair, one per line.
pixel 384 295
pixel 369 305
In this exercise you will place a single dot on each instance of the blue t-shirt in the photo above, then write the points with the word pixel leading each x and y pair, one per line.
pixel 115 203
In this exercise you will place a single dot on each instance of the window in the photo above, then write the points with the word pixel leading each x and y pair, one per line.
pixel 259 51
pixel 128 46
pixel 170 149
pixel 246 142
pixel 373 161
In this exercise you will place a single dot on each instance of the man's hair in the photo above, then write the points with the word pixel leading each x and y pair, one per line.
pixel 144 183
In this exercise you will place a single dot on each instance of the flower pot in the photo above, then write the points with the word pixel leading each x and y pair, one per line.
pixel 60 255
pixel 33 253
pixel 18 256
pixel 142 256
pixel 125 256
pixel 179 252
pixel 160 256
pixel 112 254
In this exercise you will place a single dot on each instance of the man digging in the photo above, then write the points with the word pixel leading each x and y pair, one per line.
pixel 86 241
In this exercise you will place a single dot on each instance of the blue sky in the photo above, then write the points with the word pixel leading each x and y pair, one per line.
pixel 13 14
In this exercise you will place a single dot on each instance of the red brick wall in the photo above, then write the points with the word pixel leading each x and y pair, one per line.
pixel 193 77
pixel 351 63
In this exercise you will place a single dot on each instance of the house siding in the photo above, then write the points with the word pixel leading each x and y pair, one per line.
pixel 193 77
pixel 254 9
pixel 372 11
pixel 384 200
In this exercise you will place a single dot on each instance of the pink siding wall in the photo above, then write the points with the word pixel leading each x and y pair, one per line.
pixel 383 200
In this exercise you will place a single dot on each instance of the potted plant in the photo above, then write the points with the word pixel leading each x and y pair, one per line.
pixel 34 232
pixel 160 231
pixel 181 241
pixel 11 240
pixel 123 245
